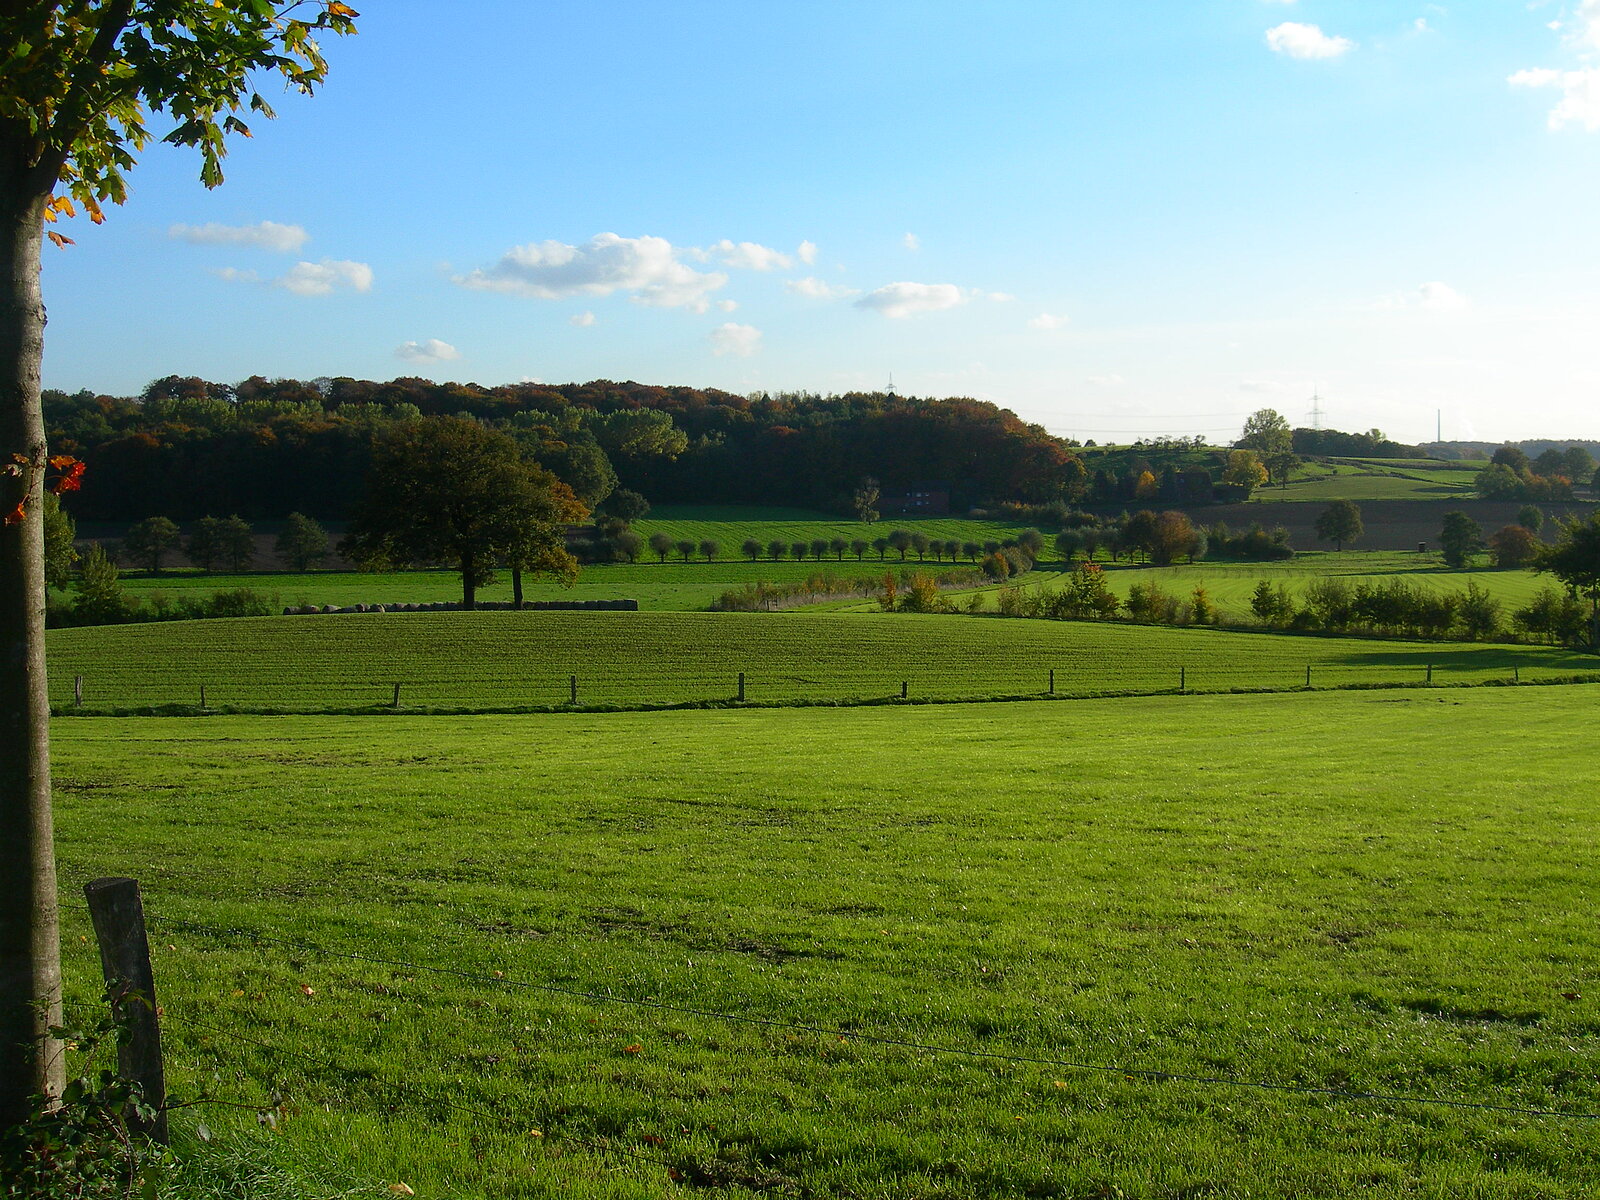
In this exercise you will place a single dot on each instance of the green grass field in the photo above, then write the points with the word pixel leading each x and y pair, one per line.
pixel 499 659
pixel 1230 585
pixel 673 586
pixel 732 525
pixel 968 927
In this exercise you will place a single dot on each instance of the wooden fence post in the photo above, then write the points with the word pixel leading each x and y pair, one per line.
pixel 1430 672
pixel 1308 674
pixel 118 916
pixel 903 687
pixel 1052 681
pixel 1516 674
pixel 202 696
pixel 1183 679
pixel 77 690
pixel 395 703
pixel 741 685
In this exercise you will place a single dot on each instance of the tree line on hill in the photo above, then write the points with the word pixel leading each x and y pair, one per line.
pixel 187 448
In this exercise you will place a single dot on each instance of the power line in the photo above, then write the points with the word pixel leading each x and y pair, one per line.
pixel 875 1039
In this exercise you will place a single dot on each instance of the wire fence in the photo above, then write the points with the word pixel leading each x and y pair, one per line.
pixel 918 681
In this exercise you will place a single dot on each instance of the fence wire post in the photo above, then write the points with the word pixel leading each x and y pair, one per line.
pixel 1052 681
pixel 118 916
pixel 903 687
pixel 202 696
pixel 741 686
pixel 395 703
pixel 1430 673
pixel 1308 674
pixel 1183 679
pixel 77 690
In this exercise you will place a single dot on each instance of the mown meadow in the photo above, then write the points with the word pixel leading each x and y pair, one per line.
pixel 489 660
pixel 1176 946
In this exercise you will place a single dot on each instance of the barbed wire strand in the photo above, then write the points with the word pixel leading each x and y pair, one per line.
pixel 873 1039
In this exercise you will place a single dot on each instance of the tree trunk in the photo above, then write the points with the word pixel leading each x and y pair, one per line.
pixel 516 587
pixel 30 961
pixel 469 583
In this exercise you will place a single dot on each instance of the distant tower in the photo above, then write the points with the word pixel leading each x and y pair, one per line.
pixel 891 383
pixel 1316 409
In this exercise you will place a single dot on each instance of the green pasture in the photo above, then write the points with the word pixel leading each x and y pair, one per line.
pixel 731 526
pixel 670 586
pixel 1023 950
pixel 1371 483
pixel 1230 585
pixel 488 660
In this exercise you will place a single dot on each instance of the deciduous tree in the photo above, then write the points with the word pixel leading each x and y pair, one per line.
pixel 1339 523
pixel 447 489
pixel 1513 546
pixel 302 544
pixel 148 541
pixel 1459 539
pixel 1574 558
pixel 79 83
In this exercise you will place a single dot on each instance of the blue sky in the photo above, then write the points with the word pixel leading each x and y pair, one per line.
pixel 1115 219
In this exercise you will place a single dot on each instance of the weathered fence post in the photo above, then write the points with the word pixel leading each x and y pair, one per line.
pixel 1183 679
pixel 1516 674
pixel 574 687
pixel 1308 674
pixel 77 690
pixel 395 703
pixel 118 916
pixel 903 689
pixel 1430 672
pixel 202 695
pixel 741 685
pixel 1052 681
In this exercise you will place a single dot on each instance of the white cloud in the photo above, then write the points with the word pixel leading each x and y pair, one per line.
pixel 321 278
pixel 1420 25
pixel 912 242
pixel 1001 297
pixel 749 256
pixel 1432 296
pixel 235 275
pixel 1049 321
pixel 817 289
pixel 1441 297
pixel 807 252
pixel 432 350
pixel 647 267
pixel 727 305
pixel 1580 94
pixel 268 235
pixel 1298 40
pixel 738 340
pixel 899 300
pixel 582 320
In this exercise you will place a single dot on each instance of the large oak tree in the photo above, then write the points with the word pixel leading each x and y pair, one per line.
pixel 450 490
pixel 79 82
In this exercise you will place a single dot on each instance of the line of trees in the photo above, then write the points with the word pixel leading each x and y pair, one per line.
pixel 1511 475
pixel 1164 538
